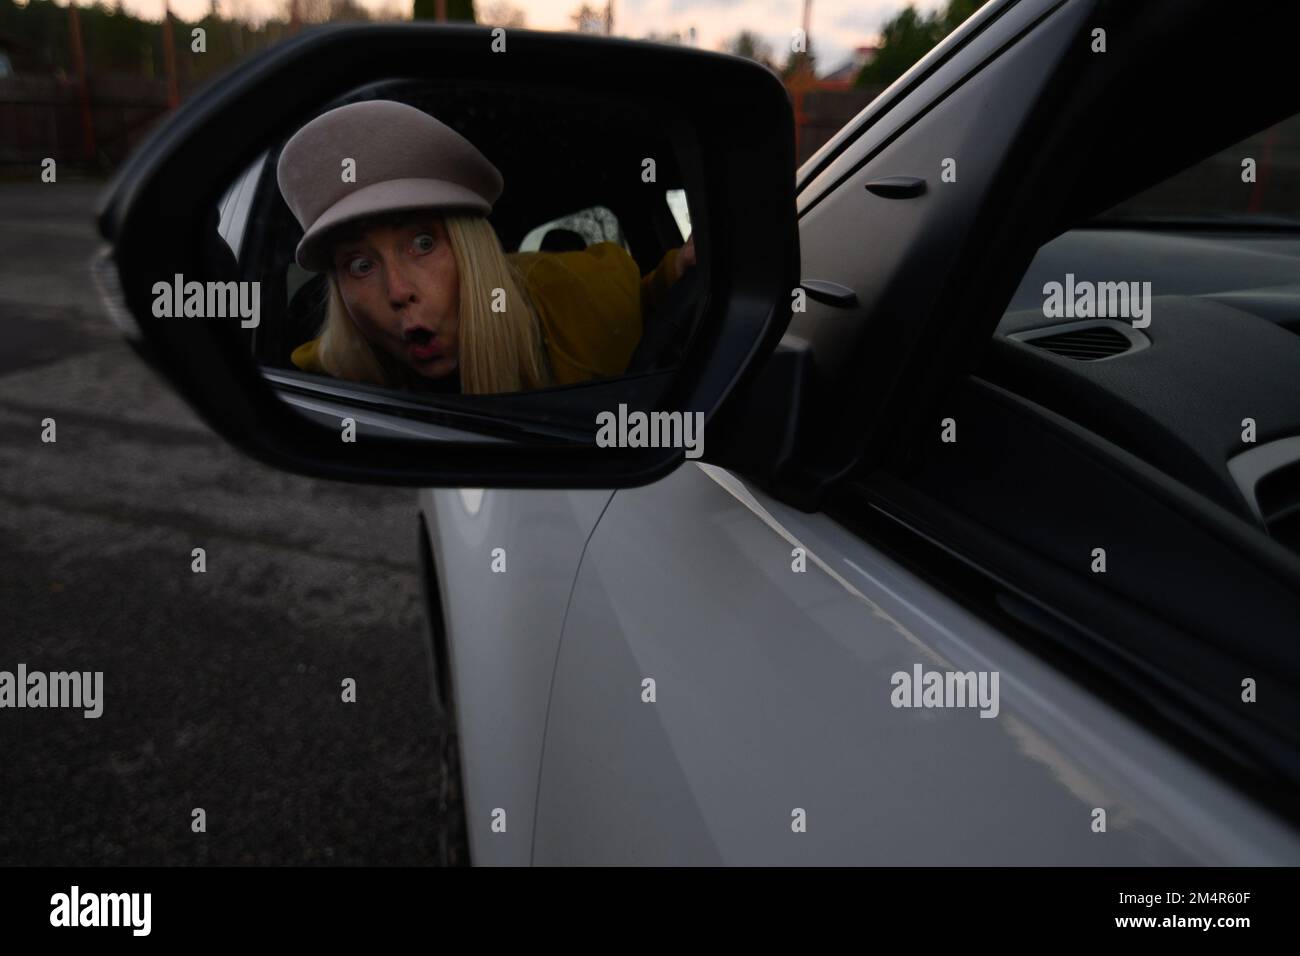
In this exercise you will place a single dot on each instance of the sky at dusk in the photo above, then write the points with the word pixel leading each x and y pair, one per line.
pixel 837 25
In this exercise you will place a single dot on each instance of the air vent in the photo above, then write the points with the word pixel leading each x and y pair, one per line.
pixel 1085 341
pixel 1269 479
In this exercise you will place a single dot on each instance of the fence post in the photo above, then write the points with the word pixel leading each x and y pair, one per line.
pixel 83 85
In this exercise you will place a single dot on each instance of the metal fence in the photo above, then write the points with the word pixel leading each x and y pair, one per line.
pixel 41 117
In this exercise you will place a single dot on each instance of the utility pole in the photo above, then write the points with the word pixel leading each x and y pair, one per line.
pixel 609 18
pixel 801 81
pixel 83 84
pixel 169 58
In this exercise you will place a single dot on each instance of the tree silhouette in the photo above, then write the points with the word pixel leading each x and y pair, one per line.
pixel 911 35
pixel 751 46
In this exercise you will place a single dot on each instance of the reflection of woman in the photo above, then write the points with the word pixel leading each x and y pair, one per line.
pixel 392 204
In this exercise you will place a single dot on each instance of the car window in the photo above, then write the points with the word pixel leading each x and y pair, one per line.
pixel 236 205
pixel 676 199
pixel 592 225
pixel 1170 325
pixel 1254 182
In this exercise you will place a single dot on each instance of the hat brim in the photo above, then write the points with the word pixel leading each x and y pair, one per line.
pixel 394 195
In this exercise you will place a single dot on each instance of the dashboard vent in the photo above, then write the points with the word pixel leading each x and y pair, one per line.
pixel 1087 345
pixel 1269 479
pixel 1088 341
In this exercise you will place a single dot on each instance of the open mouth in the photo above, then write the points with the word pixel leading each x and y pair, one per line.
pixel 423 344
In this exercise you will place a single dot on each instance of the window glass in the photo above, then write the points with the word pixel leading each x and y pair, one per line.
pixel 681 211
pixel 593 225
pixel 1255 182
pixel 1171 326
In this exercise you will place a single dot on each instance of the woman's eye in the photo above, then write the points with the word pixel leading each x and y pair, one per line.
pixel 424 242
pixel 358 266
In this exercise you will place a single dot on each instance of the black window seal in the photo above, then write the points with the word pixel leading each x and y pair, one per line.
pixel 817 163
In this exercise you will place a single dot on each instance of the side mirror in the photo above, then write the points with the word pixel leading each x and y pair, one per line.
pixel 576 324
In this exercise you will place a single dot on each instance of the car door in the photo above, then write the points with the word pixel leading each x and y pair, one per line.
pixel 727 685
pixel 773 638
pixel 505 562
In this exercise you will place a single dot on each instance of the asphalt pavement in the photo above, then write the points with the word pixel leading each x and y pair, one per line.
pixel 222 689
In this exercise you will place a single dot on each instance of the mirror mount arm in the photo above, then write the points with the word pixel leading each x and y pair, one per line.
pixel 762 431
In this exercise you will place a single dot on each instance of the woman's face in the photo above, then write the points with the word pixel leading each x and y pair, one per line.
pixel 399 281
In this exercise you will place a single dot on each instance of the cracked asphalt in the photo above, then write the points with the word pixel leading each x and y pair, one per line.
pixel 222 690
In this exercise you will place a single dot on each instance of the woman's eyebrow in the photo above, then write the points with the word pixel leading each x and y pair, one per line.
pixel 355 234
pixel 412 218
pixel 347 236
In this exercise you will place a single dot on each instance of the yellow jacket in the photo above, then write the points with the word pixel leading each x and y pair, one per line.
pixel 590 303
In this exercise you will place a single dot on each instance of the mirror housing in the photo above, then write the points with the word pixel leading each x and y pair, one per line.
pixel 730 120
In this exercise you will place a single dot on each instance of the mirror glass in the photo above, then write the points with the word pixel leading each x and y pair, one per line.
pixel 420 247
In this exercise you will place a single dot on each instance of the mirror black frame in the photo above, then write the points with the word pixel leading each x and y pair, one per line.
pixel 742 120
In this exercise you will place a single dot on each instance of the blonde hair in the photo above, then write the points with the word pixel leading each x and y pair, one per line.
pixel 498 351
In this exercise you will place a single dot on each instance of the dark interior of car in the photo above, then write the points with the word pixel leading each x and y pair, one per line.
pixel 1101 483
pixel 1206 389
pixel 1223 347
pixel 1209 391
pixel 1131 489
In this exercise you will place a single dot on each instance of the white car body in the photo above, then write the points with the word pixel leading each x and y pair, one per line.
pixel 773 693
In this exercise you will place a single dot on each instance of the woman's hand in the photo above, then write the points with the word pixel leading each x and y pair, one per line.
pixel 685 258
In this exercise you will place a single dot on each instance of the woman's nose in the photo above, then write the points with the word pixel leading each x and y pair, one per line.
pixel 401 290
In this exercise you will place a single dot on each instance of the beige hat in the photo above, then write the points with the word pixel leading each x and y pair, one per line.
pixel 404 159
